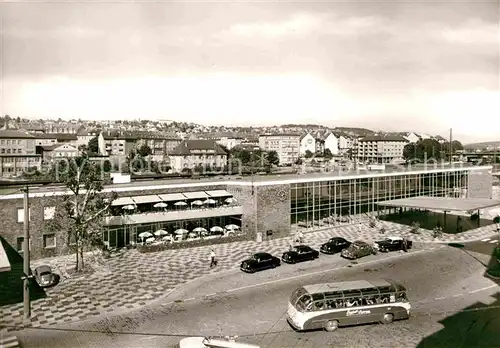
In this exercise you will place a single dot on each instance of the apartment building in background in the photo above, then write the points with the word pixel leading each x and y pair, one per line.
pixel 161 144
pixel 116 144
pixel 381 149
pixel 287 145
pixel 197 153
pixel 17 153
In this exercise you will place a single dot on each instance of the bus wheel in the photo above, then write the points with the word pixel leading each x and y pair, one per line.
pixel 387 318
pixel 331 325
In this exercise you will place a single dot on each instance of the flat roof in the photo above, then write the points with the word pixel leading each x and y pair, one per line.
pixel 4 260
pixel 169 197
pixel 146 199
pixel 219 193
pixel 442 203
pixel 122 201
pixel 195 195
pixel 256 180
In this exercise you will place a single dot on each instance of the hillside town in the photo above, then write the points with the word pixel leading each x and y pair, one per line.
pixel 28 146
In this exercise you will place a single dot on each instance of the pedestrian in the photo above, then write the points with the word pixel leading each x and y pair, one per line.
pixel 300 237
pixel 405 245
pixel 213 261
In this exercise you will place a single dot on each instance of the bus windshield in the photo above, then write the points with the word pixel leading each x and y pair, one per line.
pixel 303 303
pixel 297 294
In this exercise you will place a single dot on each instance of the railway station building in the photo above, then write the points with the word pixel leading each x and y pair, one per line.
pixel 259 207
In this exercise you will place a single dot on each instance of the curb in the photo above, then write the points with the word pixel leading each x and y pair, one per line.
pixel 475 239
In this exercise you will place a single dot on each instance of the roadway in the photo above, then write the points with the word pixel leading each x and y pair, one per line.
pixel 441 283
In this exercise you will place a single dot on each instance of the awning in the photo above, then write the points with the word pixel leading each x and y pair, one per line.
pixel 122 201
pixel 218 193
pixel 169 197
pixel 147 199
pixel 442 203
pixel 195 195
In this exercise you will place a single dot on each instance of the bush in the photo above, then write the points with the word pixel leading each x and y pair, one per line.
pixel 151 248
pixel 494 272
pixel 415 228
pixel 496 253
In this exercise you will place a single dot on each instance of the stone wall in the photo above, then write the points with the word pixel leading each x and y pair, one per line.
pixel 480 184
pixel 273 211
pixel 11 229
pixel 245 197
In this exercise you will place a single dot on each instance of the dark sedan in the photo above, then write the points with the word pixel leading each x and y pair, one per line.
pixel 300 253
pixel 393 244
pixel 357 250
pixel 259 262
pixel 44 276
pixel 334 245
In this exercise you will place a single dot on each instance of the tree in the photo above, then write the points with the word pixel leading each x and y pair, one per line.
pixel 309 154
pixel 243 155
pixel 93 146
pixel 273 158
pixel 424 150
pixel 107 166
pixel 144 151
pixel 327 153
pixel 80 213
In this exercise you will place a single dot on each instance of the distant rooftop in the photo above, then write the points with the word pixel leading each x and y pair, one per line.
pixel 15 134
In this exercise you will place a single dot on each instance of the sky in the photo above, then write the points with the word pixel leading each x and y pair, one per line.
pixel 395 66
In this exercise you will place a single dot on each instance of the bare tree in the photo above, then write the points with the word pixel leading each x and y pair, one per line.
pixel 81 210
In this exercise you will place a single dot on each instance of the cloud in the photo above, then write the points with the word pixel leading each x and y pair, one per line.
pixel 302 24
pixel 74 32
pixel 298 24
pixel 473 32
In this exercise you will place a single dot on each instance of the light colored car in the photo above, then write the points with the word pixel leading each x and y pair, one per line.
pixel 206 342
pixel 44 276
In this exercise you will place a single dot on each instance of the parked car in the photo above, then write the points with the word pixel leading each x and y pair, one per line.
pixel 393 244
pixel 259 262
pixel 44 276
pixel 300 253
pixel 357 250
pixel 334 245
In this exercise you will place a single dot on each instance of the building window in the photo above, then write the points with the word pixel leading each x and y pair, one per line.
pixel 19 244
pixel 49 241
pixel 48 213
pixel 20 215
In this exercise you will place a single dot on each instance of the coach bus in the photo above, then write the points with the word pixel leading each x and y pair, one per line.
pixel 328 306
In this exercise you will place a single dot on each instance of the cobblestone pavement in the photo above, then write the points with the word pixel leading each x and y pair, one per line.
pixel 129 279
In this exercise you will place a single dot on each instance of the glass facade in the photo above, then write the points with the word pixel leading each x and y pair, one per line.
pixel 323 203
pixel 120 236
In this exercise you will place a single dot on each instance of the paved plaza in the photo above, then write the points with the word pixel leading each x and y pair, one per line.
pixel 130 280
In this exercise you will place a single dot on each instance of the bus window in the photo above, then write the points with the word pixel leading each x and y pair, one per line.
pixel 318 301
pixel 318 305
pixel 330 304
pixel 351 302
pixel 297 294
pixel 304 303
pixel 366 301
pixel 352 293
pixel 402 297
